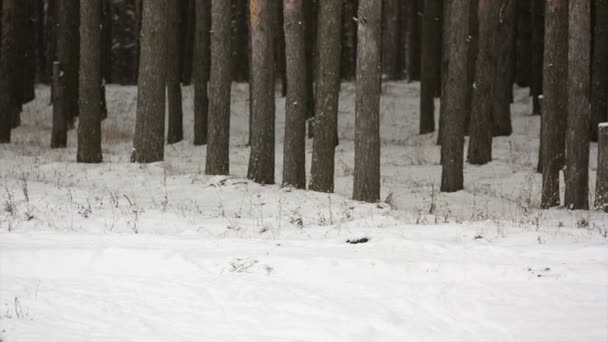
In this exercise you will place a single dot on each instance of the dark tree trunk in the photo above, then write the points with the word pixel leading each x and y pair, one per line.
pixel 175 131
pixel 240 40
pixel 413 40
pixel 294 153
pixel 326 100
pixel 505 53
pixel 59 134
pixel 309 41
pixel 579 106
pixel 218 144
pixel 444 69
pixel 148 143
pixel 472 61
pixel 51 39
pixel 18 65
pixel 555 99
pixel 201 70
pixel 185 34
pixel 42 73
pixel 262 80
pixel 89 122
pixel 599 75
pixel 538 51
pixel 366 185
pixel 349 40
pixel 137 36
pixel 279 45
pixel 601 189
pixel 67 55
pixel 391 66
pixel 8 51
pixel 523 59
pixel 29 52
pixel 430 72
pixel 484 93
pixel 456 89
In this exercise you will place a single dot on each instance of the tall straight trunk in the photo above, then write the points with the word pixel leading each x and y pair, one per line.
pixel 456 89
pixel 175 131
pixel 579 106
pixel 29 52
pixel 601 185
pixel 445 59
pixel 89 122
pixel 186 39
pixel 555 99
pixel 294 147
pixel 430 70
pixel 202 64
pixel 18 65
pixel 472 61
pixel 240 40
pixel 309 33
pixel 326 100
pixel 67 54
pixel 262 80
pixel 537 51
pixel 59 133
pixel 391 67
pixel 7 46
pixel 105 66
pixel 504 70
pixel 42 73
pixel 218 143
pixel 599 75
pixel 484 93
pixel 149 140
pixel 413 40
pixel 137 36
pixel 523 47
pixel 366 185
pixel 50 37
pixel 279 45
pixel 349 40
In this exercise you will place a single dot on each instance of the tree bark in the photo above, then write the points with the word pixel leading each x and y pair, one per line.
pixel 391 67
pixel 349 40
pixel 555 99
pixel 538 51
pixel 185 13
pixel 430 72
pixel 456 89
pixel 59 134
pixel 175 131
pixel 218 144
pixel 366 185
pixel 67 54
pixel 240 40
pixel 8 45
pixel 484 93
pixel 29 52
pixel 89 122
pixel 472 61
pixel 504 71
pixel 327 91
pixel 202 64
pixel 413 44
pixel 262 81
pixel 294 153
pixel 148 144
pixel 579 106
pixel 523 66
pixel 601 189
pixel 599 75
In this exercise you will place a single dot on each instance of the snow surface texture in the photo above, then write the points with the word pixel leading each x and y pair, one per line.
pixel 161 252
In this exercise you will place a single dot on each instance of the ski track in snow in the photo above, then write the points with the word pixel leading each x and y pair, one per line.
pixel 223 259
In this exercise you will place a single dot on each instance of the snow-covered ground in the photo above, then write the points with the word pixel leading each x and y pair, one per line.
pixel 161 252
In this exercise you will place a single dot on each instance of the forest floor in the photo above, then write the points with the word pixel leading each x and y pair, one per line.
pixel 161 252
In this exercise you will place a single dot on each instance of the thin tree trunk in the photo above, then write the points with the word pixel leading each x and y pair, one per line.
pixel 17 64
pixel 29 52
pixel 484 93
pixel 279 45
pixel 262 80
pixel 148 143
pixel 51 39
pixel 414 32
pixel 294 153
pixel 349 40
pixel 8 45
pixel 366 185
pixel 327 91
pixel 67 55
pixel 175 131
pixel 579 106
pixel 201 70
pixel 504 71
pixel 538 51
pixel 390 39
pixel 599 75
pixel 430 72
pixel 59 134
pixel 240 40
pixel 456 89
pixel 185 29
pixel 472 61
pixel 89 122
pixel 218 144
pixel 555 99
pixel 523 69
pixel 601 190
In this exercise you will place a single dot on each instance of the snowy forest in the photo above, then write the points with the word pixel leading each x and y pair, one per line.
pixel 303 170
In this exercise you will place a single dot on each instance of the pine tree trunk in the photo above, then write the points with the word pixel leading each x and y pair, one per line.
pixel 148 144
pixel 326 96
pixel 523 47
pixel 456 89
pixel 430 70
pixel 555 99
pixel 240 40
pixel 599 75
pixel 366 185
pixel 294 153
pixel 472 61
pixel 601 189
pixel 59 134
pixel 579 106
pixel 137 37
pixel 218 144
pixel 279 45
pixel 201 70
pixel 484 93
pixel 445 63
pixel 309 41
pixel 262 80
pixel 504 70
pixel 67 55
pixel 8 44
pixel 18 66
pixel 390 39
pixel 175 131
pixel 185 14
pixel 349 40
pixel 538 51
pixel 29 52
pixel 89 122
pixel 51 39
pixel 413 44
